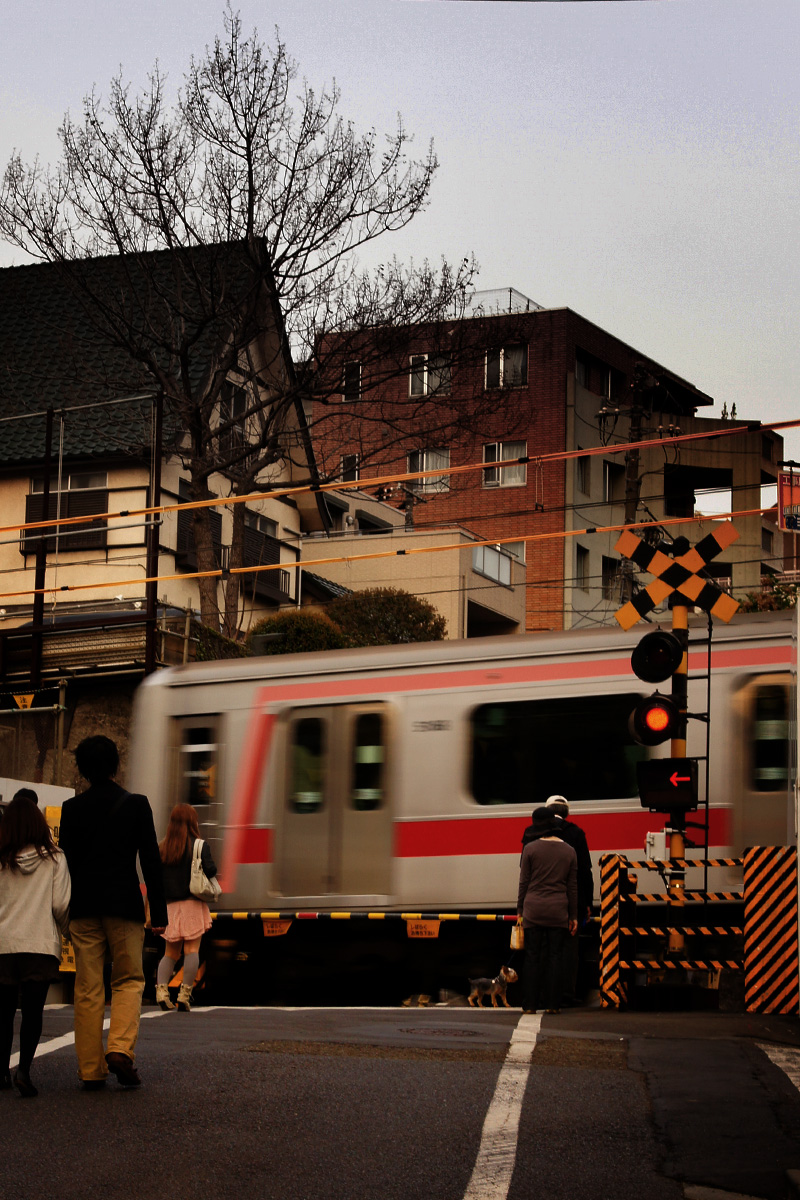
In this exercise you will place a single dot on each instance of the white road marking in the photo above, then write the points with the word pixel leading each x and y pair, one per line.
pixel 497 1153
pixel 785 1057
pixel 68 1039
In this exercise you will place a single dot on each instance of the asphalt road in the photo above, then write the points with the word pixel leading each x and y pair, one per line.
pixel 323 1104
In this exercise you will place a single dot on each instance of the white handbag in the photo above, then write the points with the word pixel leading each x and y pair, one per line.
pixel 201 887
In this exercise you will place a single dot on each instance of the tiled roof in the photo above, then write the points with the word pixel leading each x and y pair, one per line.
pixel 56 352
pixel 327 586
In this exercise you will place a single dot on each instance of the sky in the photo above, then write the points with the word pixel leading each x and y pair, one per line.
pixel 633 160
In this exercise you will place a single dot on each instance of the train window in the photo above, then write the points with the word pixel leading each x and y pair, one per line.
pixel 579 747
pixel 198 767
pixel 306 793
pixel 366 789
pixel 770 771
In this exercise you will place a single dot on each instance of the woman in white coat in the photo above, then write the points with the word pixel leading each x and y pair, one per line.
pixel 34 910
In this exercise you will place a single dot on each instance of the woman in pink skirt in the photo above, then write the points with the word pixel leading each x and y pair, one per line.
pixel 189 918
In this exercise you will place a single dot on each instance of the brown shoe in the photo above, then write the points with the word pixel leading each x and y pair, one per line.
pixel 122 1066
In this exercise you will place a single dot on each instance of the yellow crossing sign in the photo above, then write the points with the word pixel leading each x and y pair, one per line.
pixel 677 575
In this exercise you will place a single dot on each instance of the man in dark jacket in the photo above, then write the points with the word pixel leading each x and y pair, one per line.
pixel 102 831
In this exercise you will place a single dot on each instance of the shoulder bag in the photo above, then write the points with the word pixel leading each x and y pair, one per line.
pixel 201 887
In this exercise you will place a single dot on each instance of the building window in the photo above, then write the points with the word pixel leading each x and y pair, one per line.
pixel 348 468
pixel 593 375
pixel 610 578
pixel 185 550
pixel 613 483
pixel 493 562
pixel 767 541
pixel 582 568
pixel 507 366
pixel 351 382
pixel 495 452
pixel 429 375
pixel 582 474
pixel 516 549
pixel 429 460
pixel 83 493
pixel 766 447
pixel 262 524
pixel 233 439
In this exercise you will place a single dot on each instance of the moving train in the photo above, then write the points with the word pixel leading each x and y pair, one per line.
pixel 401 778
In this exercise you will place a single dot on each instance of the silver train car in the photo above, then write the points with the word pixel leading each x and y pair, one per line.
pixel 401 778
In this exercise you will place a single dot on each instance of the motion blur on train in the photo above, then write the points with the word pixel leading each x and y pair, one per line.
pixel 401 778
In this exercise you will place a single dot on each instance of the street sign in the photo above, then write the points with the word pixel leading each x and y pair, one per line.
pixel 789 501
pixel 668 784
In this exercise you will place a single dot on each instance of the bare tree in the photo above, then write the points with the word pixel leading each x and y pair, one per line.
pixel 212 239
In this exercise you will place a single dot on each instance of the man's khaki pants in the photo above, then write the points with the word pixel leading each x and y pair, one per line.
pixel 91 938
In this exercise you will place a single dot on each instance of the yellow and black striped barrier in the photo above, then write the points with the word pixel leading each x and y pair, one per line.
pixel 699 897
pixel 612 990
pixel 300 915
pixel 770 929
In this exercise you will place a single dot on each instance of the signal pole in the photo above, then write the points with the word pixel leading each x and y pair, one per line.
pixel 680 692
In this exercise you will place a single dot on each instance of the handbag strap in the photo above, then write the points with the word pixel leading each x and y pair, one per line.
pixel 197 850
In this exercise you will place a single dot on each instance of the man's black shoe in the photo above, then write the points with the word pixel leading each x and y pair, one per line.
pixel 121 1066
pixel 93 1085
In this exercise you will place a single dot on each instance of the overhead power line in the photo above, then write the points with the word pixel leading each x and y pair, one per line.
pixel 406 477
pixel 219 573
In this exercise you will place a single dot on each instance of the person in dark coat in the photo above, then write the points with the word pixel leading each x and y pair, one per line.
pixel 547 902
pixel 574 836
pixel 103 830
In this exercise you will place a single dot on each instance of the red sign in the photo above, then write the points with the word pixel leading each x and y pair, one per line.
pixel 789 501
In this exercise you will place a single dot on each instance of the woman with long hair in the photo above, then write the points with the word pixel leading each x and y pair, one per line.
pixel 34 912
pixel 189 917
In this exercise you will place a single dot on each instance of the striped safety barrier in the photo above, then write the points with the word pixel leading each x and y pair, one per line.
pixel 770 929
pixel 682 864
pixel 680 964
pixel 659 898
pixel 283 915
pixel 618 898
pixel 612 990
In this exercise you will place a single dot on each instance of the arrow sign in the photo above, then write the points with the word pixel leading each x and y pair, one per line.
pixel 668 785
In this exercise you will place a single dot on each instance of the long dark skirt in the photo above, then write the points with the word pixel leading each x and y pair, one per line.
pixel 544 966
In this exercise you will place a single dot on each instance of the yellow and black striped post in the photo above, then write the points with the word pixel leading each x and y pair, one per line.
pixel 612 991
pixel 770 929
pixel 680 693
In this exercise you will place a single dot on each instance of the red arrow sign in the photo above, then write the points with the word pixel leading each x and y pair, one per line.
pixel 675 779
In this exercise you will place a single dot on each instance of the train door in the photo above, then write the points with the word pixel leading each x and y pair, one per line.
pixel 335 830
pixel 195 771
pixel 763 781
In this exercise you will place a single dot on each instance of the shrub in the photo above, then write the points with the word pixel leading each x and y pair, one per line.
pixel 385 617
pixel 295 631
pixel 211 645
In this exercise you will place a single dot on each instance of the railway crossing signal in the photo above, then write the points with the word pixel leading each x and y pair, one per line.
pixel 668 784
pixel 679 575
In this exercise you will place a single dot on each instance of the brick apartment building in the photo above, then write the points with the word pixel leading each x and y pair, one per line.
pixel 541 381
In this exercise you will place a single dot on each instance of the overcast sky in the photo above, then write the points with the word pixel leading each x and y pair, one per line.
pixel 634 160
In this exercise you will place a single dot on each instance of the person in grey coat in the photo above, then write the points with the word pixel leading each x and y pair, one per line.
pixel 34 910
pixel 547 901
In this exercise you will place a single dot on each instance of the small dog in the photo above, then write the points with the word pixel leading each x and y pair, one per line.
pixel 492 987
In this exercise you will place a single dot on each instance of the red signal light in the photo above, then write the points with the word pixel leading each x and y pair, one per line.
pixel 655 719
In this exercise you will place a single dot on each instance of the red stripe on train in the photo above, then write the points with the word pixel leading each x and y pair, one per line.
pixel 486 675
pixel 605 832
